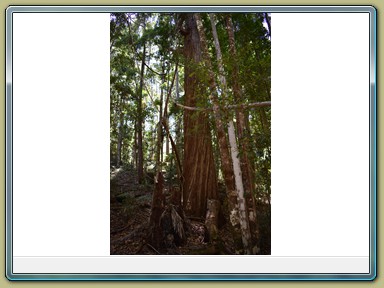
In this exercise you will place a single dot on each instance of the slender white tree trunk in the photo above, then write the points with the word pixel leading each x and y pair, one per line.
pixel 244 221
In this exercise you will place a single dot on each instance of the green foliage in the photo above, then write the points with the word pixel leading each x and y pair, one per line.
pixel 174 109
pixel 253 49
pixel 160 33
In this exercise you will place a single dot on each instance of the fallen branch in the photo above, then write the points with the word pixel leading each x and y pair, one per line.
pixel 121 239
pixel 140 247
pixel 120 229
pixel 192 108
pixel 153 248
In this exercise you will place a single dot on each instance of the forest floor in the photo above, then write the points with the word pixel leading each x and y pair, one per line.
pixel 129 223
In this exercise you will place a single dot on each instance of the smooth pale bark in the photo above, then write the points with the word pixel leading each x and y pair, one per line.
pixel 240 117
pixel 268 20
pixel 244 221
pixel 242 132
pixel 243 213
pixel 237 97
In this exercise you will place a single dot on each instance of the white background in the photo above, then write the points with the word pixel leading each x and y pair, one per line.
pixel 60 134
pixel 320 135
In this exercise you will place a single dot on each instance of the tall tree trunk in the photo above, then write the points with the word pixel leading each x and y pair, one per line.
pixel 167 147
pixel 177 146
pixel 240 117
pixel 198 164
pixel 242 132
pixel 264 121
pixel 120 136
pixel 165 122
pixel 178 123
pixel 221 130
pixel 268 20
pixel 244 221
pixel 161 115
pixel 155 236
pixel 159 146
pixel 243 213
pixel 174 150
pixel 134 150
pixel 140 166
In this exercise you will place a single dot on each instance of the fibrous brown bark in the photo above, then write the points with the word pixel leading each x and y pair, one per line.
pixel 198 164
pixel 140 164
pixel 134 150
pixel 159 146
pixel 221 134
pixel 120 136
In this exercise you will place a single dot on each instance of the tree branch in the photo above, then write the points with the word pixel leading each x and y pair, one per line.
pixel 160 74
pixel 242 106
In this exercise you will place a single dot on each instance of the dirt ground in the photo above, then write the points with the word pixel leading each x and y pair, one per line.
pixel 129 223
